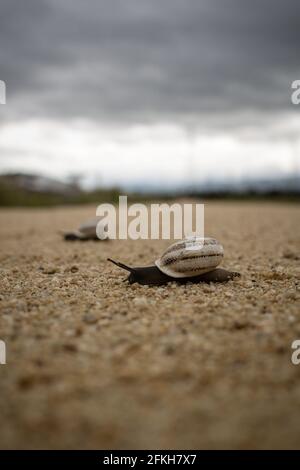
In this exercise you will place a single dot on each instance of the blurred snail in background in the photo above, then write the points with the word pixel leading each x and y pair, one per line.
pixel 193 259
pixel 86 231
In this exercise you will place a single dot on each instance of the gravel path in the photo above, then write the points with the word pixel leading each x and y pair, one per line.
pixel 95 363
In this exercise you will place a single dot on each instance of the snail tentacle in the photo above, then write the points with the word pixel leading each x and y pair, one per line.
pixel 121 265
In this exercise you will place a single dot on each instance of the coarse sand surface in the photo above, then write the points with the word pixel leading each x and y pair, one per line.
pixel 93 362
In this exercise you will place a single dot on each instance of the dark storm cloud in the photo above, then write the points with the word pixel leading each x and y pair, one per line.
pixel 124 60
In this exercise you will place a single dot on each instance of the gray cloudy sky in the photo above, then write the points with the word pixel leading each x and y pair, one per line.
pixel 220 66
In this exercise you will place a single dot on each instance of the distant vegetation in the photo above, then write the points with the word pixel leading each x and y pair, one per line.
pixel 19 190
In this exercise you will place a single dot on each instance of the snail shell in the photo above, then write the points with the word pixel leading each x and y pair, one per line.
pixel 191 257
pixel 86 231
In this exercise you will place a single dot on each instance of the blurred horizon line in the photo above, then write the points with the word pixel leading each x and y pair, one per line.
pixel 289 182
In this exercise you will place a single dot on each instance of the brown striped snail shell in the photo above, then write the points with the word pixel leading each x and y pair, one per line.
pixel 86 231
pixel 191 257
pixel 190 260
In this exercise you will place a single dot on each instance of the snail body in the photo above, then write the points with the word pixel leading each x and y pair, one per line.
pixel 86 231
pixel 190 260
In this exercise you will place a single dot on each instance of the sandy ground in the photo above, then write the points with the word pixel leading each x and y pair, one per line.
pixel 95 363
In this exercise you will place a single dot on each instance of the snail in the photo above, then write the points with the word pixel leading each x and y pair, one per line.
pixel 190 260
pixel 86 231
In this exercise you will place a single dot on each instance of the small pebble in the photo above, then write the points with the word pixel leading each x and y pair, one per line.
pixel 90 318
